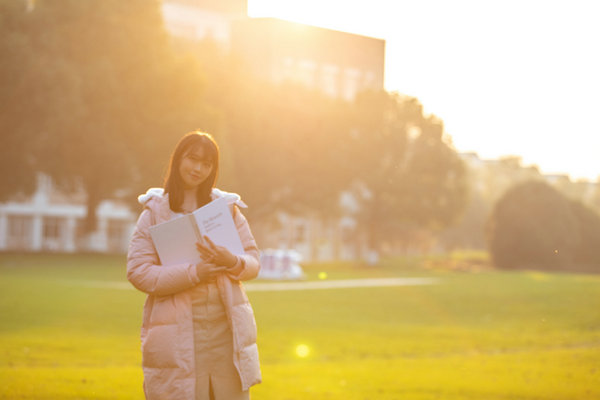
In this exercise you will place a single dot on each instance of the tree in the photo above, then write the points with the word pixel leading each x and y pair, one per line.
pixel 413 177
pixel 106 97
pixel 18 67
pixel 535 226
pixel 296 143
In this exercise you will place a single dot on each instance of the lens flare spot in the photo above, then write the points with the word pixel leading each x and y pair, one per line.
pixel 322 275
pixel 302 350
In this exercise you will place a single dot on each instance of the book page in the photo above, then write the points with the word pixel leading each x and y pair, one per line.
pixel 215 221
pixel 175 241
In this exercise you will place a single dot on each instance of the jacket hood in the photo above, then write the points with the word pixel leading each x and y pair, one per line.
pixel 150 193
pixel 232 198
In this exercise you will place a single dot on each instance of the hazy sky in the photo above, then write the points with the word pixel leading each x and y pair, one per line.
pixel 506 77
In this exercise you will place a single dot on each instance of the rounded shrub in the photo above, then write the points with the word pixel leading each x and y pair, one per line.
pixel 533 226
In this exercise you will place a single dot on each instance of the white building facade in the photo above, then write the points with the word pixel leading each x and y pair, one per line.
pixel 48 221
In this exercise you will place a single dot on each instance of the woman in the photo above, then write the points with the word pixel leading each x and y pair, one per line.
pixel 198 330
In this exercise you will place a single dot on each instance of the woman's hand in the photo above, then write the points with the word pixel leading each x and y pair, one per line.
pixel 214 254
pixel 208 271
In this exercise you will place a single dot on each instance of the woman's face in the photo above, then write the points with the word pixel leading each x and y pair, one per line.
pixel 194 168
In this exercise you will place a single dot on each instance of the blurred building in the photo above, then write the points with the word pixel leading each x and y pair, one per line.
pixel 200 19
pixel 490 179
pixel 50 220
pixel 339 64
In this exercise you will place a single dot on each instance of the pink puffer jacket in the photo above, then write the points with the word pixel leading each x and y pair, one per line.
pixel 167 329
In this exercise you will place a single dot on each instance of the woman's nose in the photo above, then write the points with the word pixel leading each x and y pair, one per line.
pixel 199 167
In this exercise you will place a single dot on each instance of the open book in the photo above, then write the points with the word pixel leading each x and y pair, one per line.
pixel 175 240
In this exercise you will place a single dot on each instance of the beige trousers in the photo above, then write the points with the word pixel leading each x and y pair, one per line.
pixel 216 375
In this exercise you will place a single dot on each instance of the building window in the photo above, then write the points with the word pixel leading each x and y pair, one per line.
pixel 330 80
pixel 52 233
pixel 351 84
pixel 52 228
pixel 19 232
pixel 81 235
pixel 306 72
pixel 287 68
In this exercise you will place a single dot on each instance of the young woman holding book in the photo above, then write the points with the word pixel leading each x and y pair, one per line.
pixel 198 331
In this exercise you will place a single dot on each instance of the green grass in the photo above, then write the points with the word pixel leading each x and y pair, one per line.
pixel 479 335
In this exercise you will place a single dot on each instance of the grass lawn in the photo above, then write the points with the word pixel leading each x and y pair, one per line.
pixel 480 335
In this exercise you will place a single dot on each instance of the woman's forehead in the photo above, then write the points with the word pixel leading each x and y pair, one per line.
pixel 197 151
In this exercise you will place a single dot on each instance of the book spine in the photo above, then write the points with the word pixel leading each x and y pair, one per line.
pixel 196 228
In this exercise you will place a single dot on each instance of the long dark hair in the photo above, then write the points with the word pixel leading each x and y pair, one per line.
pixel 173 182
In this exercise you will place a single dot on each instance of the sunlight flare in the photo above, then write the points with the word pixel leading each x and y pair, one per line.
pixel 302 350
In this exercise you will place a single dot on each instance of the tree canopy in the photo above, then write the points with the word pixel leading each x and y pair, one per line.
pixel 409 174
pixel 535 226
pixel 101 101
